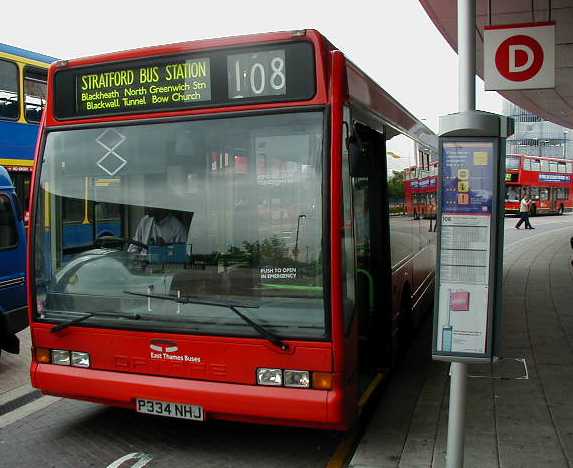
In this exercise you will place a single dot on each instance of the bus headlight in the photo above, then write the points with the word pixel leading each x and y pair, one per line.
pixel 80 359
pixel 295 378
pixel 60 357
pixel 269 376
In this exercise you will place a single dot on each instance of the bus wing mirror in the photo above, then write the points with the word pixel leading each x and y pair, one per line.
pixel 358 156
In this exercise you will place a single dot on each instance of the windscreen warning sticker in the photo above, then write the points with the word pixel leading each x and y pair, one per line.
pixel 277 273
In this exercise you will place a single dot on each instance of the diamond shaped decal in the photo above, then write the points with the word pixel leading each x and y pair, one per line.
pixel 111 162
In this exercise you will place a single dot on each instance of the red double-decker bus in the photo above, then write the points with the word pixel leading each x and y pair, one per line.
pixel 548 181
pixel 257 275
pixel 421 188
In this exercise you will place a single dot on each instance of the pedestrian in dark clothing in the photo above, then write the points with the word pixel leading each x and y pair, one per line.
pixel 524 206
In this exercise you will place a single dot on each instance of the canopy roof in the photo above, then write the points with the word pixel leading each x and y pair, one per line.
pixel 555 105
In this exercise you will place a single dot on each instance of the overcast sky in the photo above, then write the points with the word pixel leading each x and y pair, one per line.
pixel 393 41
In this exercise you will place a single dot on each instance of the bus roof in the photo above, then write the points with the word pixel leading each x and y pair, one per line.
pixel 190 46
pixel 5 181
pixel 26 54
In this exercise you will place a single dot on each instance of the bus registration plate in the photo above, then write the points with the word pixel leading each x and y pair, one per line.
pixel 173 410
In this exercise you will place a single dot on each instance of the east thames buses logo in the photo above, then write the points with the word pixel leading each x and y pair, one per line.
pixel 162 350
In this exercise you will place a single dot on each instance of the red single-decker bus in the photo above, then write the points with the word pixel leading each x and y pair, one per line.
pixel 257 276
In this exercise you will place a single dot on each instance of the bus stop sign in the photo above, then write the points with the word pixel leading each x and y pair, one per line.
pixel 470 237
pixel 519 56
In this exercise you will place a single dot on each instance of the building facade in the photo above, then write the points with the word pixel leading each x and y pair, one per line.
pixel 537 137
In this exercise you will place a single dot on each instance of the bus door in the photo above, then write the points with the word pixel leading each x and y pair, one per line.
pixel 553 198
pixel 371 234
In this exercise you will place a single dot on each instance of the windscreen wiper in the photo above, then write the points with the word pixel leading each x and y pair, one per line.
pixel 270 336
pixel 67 323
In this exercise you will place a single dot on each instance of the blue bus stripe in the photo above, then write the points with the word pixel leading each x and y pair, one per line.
pixel 26 54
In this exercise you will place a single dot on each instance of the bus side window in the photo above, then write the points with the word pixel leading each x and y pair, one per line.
pixel 9 105
pixel 35 89
pixel 72 210
pixel 8 233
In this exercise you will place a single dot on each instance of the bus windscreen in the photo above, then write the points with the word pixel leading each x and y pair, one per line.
pixel 220 211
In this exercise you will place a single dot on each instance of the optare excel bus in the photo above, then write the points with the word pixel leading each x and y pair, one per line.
pixel 548 182
pixel 255 274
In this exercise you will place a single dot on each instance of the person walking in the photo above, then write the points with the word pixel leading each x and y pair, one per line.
pixel 524 206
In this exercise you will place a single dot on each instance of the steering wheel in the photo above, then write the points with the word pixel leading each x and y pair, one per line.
pixel 141 245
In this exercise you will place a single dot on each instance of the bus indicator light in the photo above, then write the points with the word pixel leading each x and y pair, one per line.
pixel 322 380
pixel 43 355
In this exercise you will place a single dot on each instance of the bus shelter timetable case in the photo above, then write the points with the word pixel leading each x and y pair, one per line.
pixel 465 296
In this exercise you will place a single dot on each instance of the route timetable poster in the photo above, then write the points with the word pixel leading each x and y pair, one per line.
pixel 467 198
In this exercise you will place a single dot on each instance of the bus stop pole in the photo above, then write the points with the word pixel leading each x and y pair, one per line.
pixel 466 103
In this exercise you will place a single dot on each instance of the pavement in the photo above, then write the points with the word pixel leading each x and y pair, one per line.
pixel 519 410
pixel 14 368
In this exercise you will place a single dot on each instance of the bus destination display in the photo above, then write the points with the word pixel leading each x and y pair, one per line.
pixel 145 87
pixel 223 77
pixel 257 74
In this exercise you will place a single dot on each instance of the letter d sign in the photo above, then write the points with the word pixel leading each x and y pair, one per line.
pixel 520 57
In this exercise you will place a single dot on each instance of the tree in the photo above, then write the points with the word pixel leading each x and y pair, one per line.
pixel 396 185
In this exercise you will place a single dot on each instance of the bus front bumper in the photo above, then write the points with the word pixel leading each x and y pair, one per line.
pixel 246 403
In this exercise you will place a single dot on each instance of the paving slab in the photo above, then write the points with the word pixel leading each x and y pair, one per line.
pixel 15 368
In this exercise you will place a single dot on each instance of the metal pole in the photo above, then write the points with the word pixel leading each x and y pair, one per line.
pixel 457 415
pixel 467 103
pixel 466 55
